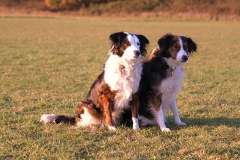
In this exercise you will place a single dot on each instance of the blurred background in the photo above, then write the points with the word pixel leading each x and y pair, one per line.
pixel 194 9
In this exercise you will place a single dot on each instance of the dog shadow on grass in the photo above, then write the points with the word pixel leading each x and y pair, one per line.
pixel 230 122
pixel 219 121
pixel 198 122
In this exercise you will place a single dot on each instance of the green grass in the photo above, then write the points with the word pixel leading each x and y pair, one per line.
pixel 47 65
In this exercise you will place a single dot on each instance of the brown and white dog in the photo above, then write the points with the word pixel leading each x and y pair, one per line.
pixel 115 88
pixel 162 77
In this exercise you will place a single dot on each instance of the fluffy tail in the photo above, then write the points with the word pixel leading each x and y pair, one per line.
pixel 52 118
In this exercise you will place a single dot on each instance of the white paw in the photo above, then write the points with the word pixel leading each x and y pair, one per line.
pixel 136 127
pixel 113 128
pixel 48 118
pixel 165 130
pixel 181 123
pixel 135 124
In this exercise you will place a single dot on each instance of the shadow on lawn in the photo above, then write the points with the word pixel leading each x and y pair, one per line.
pixel 231 122
pixel 210 122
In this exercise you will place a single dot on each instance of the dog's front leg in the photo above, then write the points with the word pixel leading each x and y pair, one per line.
pixel 161 121
pixel 157 103
pixel 107 107
pixel 134 107
pixel 175 112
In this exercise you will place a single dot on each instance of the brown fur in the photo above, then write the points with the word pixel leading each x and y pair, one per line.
pixel 107 98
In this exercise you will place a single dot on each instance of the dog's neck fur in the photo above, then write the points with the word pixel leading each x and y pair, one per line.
pixel 123 76
pixel 173 64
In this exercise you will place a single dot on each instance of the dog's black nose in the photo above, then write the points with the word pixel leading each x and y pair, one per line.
pixel 185 58
pixel 137 53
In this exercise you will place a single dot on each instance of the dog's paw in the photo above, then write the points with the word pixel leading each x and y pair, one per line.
pixel 181 123
pixel 112 128
pixel 165 130
pixel 48 118
pixel 135 124
pixel 136 127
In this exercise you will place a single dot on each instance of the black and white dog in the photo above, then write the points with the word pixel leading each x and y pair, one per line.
pixel 115 88
pixel 162 78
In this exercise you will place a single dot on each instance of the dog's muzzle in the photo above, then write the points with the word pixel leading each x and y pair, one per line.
pixel 184 58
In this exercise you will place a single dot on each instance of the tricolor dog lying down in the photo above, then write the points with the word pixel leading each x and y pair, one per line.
pixel 162 77
pixel 115 88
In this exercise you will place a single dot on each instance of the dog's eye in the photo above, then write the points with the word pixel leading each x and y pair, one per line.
pixel 128 43
pixel 175 46
pixel 138 43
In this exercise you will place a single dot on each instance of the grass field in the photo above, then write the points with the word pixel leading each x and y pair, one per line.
pixel 48 64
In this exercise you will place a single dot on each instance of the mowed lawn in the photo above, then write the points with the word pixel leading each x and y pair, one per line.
pixel 47 65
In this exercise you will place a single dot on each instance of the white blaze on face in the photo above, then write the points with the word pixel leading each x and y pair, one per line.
pixel 181 52
pixel 130 52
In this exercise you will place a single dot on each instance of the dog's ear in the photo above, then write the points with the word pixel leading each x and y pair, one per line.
pixel 164 44
pixel 164 41
pixel 143 44
pixel 116 40
pixel 192 46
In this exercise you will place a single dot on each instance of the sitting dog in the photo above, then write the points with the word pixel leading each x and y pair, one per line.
pixel 115 88
pixel 162 77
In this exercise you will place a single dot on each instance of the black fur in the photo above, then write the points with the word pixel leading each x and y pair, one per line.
pixel 144 42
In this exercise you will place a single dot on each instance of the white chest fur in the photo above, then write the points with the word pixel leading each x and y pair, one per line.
pixel 123 76
pixel 171 85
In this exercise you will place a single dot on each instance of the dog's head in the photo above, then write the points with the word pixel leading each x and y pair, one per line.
pixel 176 47
pixel 127 45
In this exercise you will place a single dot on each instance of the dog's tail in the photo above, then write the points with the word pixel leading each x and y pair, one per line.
pixel 53 118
